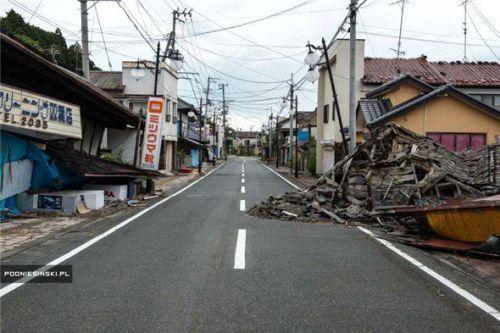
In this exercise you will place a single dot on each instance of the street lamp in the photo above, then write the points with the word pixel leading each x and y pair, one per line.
pixel 312 58
pixel 312 74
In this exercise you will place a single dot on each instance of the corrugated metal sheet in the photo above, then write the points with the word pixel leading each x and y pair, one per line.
pixel 107 80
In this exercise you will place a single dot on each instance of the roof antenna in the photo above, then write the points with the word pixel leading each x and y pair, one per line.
pixel 464 3
pixel 402 4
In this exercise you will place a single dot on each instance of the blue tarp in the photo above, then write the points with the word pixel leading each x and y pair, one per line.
pixel 47 174
pixel 194 157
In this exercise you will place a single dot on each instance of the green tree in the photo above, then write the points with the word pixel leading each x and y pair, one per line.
pixel 50 45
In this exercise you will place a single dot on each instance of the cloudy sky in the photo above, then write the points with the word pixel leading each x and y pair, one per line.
pixel 256 60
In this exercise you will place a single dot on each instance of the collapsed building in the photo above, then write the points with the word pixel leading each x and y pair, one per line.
pixel 392 180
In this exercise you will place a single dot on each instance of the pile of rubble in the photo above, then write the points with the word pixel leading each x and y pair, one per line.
pixel 393 170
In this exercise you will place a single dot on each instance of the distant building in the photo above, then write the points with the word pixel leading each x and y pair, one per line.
pixel 481 80
pixel 249 140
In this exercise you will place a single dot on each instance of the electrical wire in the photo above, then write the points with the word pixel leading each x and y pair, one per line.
pixel 481 36
pixel 256 20
pixel 103 40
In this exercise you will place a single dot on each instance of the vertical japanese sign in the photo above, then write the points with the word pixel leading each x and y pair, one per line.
pixel 151 144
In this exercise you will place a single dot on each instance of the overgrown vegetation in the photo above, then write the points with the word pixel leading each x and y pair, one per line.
pixel 50 45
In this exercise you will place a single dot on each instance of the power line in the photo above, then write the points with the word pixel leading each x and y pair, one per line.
pixel 103 40
pixel 244 38
pixel 481 36
pixel 130 16
pixel 257 20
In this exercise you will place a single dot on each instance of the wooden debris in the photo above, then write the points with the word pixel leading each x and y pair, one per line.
pixel 393 168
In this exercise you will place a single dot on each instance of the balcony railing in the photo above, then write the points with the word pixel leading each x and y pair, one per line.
pixel 190 132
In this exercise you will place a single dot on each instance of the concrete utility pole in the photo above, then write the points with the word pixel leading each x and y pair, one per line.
pixel 352 77
pixel 224 111
pixel 296 137
pixel 291 126
pixel 270 136
pixel 84 13
pixel 170 51
pixel 85 39
pixel 277 142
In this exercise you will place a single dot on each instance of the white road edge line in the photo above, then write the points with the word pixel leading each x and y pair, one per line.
pixel 243 189
pixel 242 205
pixel 239 254
pixel 460 291
pixel 286 180
pixel 13 286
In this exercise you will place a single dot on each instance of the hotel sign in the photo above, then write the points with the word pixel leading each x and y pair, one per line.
pixel 151 143
pixel 38 116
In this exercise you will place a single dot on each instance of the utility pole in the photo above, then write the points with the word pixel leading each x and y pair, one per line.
pixel 85 39
pixel 84 13
pixel 277 143
pixel 352 77
pixel 270 137
pixel 296 137
pixel 224 111
pixel 291 127
pixel 157 69
pixel 200 123
pixel 170 51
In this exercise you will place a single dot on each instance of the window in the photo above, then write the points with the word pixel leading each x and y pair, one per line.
pixel 325 113
pixel 333 112
pixel 459 141
pixel 167 110
pixel 247 143
pixel 131 106
pixel 496 100
pixel 488 99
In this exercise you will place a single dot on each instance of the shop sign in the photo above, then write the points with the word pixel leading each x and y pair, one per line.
pixel 28 113
pixel 151 143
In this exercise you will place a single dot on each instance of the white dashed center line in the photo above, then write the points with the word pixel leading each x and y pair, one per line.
pixel 243 180
pixel 239 255
pixel 242 205
pixel 243 189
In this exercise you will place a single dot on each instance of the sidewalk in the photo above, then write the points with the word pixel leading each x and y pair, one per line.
pixel 17 234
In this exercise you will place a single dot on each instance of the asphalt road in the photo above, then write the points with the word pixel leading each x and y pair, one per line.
pixel 173 270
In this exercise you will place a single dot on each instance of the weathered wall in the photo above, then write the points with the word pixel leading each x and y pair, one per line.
pixel 402 94
pixel 448 114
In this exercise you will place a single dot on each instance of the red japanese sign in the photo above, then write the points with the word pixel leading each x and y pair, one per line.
pixel 151 143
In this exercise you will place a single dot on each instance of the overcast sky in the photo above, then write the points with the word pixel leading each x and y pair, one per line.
pixel 431 27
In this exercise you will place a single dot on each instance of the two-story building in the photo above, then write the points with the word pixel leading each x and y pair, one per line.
pixel 132 87
pixel 446 114
pixel 478 79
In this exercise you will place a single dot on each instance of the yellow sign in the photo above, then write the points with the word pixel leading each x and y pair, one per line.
pixel 38 116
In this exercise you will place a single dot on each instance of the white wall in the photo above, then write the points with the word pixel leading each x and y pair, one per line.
pixel 329 133
pixel 167 87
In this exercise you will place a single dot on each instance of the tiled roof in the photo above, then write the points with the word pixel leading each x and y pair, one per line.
pixel 107 80
pixel 372 109
pixel 445 89
pixel 248 135
pixel 460 74
pixel 471 74
pixel 394 82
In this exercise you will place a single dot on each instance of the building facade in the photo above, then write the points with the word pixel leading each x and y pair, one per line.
pixel 481 80
pixel 132 87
